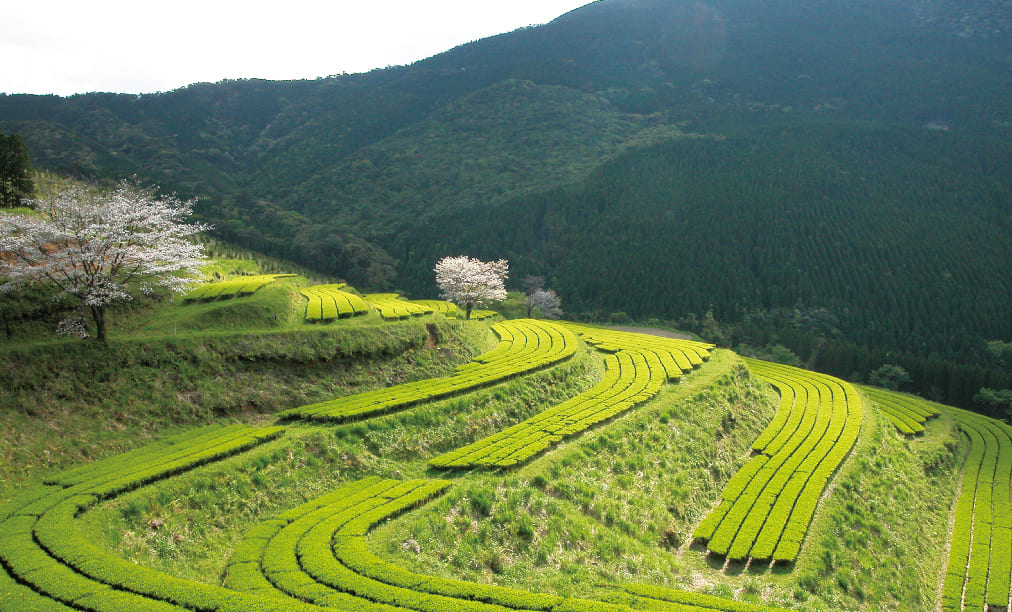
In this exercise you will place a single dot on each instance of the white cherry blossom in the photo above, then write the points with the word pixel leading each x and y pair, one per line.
pixel 97 247
pixel 470 282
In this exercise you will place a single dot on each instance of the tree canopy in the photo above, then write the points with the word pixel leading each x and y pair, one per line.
pixel 98 248
pixel 470 282
pixel 16 183
pixel 546 302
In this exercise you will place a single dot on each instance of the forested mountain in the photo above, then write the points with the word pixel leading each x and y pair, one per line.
pixel 845 164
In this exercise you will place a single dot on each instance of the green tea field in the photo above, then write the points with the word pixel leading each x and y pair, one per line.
pixel 274 445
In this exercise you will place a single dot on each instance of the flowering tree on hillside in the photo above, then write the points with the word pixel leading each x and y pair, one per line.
pixel 546 301
pixel 470 282
pixel 97 248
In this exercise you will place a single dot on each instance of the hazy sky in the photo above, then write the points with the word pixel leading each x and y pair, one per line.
pixel 136 46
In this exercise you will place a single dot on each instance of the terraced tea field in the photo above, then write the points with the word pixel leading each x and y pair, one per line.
pixel 525 346
pixel 329 302
pixel 767 506
pixel 318 554
pixel 222 290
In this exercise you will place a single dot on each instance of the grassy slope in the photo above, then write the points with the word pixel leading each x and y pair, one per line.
pixel 205 513
pixel 184 366
pixel 619 504
pixel 881 538
pixel 608 506
pixel 614 505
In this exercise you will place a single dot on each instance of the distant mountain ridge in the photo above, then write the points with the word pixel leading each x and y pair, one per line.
pixel 534 145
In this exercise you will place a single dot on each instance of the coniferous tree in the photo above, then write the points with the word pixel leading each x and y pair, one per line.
pixel 15 172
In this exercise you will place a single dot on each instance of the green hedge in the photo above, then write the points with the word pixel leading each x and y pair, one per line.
pixel 908 414
pixel 980 552
pixel 447 308
pixel 392 307
pixel 768 504
pixel 695 600
pixel 525 346
pixel 636 367
pixel 319 554
pixel 231 288
pixel 55 565
pixel 328 302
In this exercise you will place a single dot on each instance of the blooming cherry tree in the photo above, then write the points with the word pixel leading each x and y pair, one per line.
pixel 99 248
pixel 546 301
pixel 470 282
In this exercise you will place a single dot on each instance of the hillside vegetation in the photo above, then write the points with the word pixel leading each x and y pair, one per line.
pixel 189 468
pixel 768 164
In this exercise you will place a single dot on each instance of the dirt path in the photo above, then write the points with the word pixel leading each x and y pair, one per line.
pixel 653 331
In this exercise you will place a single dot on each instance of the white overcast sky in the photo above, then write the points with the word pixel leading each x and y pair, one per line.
pixel 137 46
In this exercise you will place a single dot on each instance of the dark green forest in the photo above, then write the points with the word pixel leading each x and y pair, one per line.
pixel 876 243
pixel 16 185
pixel 833 177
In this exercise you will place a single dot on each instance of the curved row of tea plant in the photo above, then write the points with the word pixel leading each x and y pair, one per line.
pixel 768 504
pixel 327 302
pixel 231 288
pixel 683 354
pixel 979 572
pixel 439 306
pixel 908 414
pixel 683 600
pixel 47 563
pixel 391 306
pixel 318 553
pixel 482 315
pixel 525 345
pixel 635 369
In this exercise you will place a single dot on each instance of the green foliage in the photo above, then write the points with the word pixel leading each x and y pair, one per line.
pixel 768 505
pixel 995 401
pixel 235 287
pixel 619 185
pixel 602 503
pixel 145 387
pixel 907 413
pixel 442 307
pixel 893 498
pixel 979 569
pixel 813 279
pixel 391 307
pixel 635 369
pixel 777 353
pixel 525 346
pixel 889 376
pixel 612 509
pixel 16 184
pixel 44 551
pixel 328 302
pixel 1001 351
